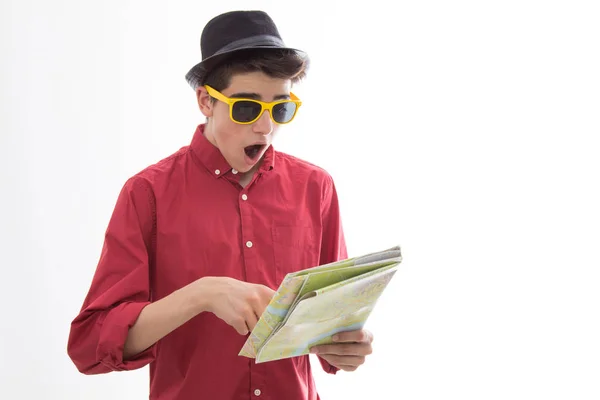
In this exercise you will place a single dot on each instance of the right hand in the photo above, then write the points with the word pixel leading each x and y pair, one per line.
pixel 240 304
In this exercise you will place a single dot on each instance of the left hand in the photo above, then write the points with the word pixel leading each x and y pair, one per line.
pixel 349 350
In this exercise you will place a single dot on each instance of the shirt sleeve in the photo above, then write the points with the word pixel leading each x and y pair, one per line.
pixel 120 288
pixel 333 246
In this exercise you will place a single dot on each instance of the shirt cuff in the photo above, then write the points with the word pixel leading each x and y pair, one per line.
pixel 113 335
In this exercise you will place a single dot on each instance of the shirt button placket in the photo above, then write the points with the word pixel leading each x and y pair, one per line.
pixel 249 261
pixel 249 243
pixel 248 238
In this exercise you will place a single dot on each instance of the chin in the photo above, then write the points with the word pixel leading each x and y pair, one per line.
pixel 244 169
pixel 242 166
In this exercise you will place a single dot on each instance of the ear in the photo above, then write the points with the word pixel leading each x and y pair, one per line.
pixel 204 101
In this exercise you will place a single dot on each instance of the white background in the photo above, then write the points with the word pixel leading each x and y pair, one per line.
pixel 465 131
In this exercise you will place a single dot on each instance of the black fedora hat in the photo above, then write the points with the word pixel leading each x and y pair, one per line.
pixel 232 32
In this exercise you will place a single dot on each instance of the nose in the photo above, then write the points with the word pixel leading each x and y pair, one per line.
pixel 264 124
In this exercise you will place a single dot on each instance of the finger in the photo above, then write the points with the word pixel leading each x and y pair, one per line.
pixel 259 308
pixel 263 288
pixel 345 349
pixel 359 336
pixel 251 319
pixel 267 293
pixel 266 297
pixel 260 298
pixel 347 361
pixel 240 326
pixel 268 290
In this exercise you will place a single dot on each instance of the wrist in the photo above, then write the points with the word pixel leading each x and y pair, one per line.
pixel 197 295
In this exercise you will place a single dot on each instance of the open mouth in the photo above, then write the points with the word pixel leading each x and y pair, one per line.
pixel 253 151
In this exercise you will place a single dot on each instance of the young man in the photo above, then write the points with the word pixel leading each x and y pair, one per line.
pixel 198 242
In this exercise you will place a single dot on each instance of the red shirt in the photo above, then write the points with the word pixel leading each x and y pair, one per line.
pixel 187 217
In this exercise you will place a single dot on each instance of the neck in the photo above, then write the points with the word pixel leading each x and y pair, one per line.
pixel 246 177
pixel 208 134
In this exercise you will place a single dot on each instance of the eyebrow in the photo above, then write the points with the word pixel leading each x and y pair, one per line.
pixel 256 96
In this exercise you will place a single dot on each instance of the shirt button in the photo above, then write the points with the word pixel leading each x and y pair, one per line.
pixel 244 197
pixel 248 244
pixel 234 171
pixel 257 392
pixel 217 171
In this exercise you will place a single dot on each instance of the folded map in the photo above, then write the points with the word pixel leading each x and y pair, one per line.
pixel 314 304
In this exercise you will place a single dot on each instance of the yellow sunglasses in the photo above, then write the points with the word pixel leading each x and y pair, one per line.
pixel 247 111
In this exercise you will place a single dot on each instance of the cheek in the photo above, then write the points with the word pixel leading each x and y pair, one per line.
pixel 221 122
pixel 228 135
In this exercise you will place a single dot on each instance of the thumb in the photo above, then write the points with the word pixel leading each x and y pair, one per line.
pixel 267 291
pixel 266 295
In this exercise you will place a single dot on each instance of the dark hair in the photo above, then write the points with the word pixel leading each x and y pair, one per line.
pixel 276 63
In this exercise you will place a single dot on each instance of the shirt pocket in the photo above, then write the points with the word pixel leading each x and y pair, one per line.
pixel 295 247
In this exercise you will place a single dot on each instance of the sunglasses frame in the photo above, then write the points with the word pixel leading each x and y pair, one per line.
pixel 264 106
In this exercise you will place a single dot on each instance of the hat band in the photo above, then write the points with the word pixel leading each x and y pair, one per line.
pixel 259 40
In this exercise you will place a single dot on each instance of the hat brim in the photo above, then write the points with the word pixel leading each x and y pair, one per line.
pixel 198 72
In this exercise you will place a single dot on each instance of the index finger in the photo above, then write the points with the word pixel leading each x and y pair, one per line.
pixel 358 336
pixel 266 295
pixel 270 292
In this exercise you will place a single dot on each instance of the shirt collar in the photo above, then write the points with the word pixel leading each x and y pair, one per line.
pixel 212 159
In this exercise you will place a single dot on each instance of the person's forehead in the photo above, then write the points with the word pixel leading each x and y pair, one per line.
pixel 258 83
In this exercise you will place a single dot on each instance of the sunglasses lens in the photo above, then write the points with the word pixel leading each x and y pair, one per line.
pixel 245 111
pixel 284 112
